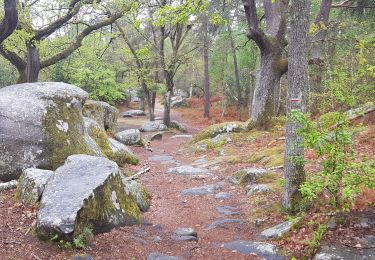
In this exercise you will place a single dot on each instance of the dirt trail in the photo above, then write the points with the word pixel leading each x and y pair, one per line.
pixel 171 209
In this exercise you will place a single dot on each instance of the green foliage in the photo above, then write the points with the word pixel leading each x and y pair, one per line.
pixel 317 236
pixel 342 175
pixel 78 242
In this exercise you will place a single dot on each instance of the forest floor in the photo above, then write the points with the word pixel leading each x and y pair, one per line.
pixel 217 220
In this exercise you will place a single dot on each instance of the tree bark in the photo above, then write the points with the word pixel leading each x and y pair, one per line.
pixel 207 104
pixel 33 63
pixel 10 20
pixel 298 85
pixel 271 42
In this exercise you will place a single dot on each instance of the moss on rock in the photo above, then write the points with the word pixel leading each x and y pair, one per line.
pixel 214 130
pixel 270 157
pixel 63 126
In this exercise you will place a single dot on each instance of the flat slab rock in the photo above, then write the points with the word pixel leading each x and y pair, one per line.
pixel 277 231
pixel 223 196
pixel 85 191
pixel 264 250
pixel 131 113
pixel 246 176
pixel 160 256
pixel 203 190
pixel 153 127
pixel 342 252
pixel 225 211
pixel 188 170
pixel 223 222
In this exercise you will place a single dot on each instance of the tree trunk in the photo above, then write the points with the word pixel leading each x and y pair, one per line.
pixel 298 85
pixel 167 98
pixel 207 104
pixel 22 78
pixel 236 70
pixel 267 80
pixel 33 63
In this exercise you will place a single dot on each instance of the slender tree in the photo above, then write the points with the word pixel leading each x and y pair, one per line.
pixel 298 86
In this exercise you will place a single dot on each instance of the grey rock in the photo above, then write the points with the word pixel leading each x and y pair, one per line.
pixel 223 195
pixel 178 101
pixel 342 252
pixel 185 238
pixel 157 239
pixel 257 189
pixel 221 223
pixel 102 112
pixel 186 232
pixel 177 125
pixel 203 190
pixel 188 170
pixel 129 137
pixel 31 185
pixel 41 124
pixel 277 231
pixel 8 185
pixel 84 184
pixel 82 257
pixel 154 126
pixel 226 211
pixel 160 256
pixel 157 136
pixel 246 176
pixel 180 93
pixel 182 136
pixel 131 113
pixel 138 192
pixel 160 158
pixel 264 250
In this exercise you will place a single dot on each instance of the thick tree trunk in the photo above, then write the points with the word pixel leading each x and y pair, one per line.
pixel 298 85
pixel 33 63
pixel 22 77
pixel 10 19
pixel 267 80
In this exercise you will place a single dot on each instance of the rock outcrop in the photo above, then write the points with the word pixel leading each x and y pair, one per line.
pixel 87 191
pixel 41 124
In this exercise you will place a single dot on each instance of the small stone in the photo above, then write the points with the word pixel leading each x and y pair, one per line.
pixel 260 249
pixel 223 195
pixel 203 190
pixel 257 189
pixel 187 170
pixel 82 257
pixel 186 232
pixel 185 238
pixel 225 211
pixel 277 231
pixel 135 112
pixel 157 136
pixel 223 222
pixel 160 256
pixel 157 239
pixel 246 176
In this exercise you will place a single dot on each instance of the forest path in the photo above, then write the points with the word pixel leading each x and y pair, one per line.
pixel 204 201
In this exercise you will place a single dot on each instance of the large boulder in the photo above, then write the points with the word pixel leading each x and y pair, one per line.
pixel 41 124
pixel 87 191
pixel 129 137
pixel 102 112
pixel 31 185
